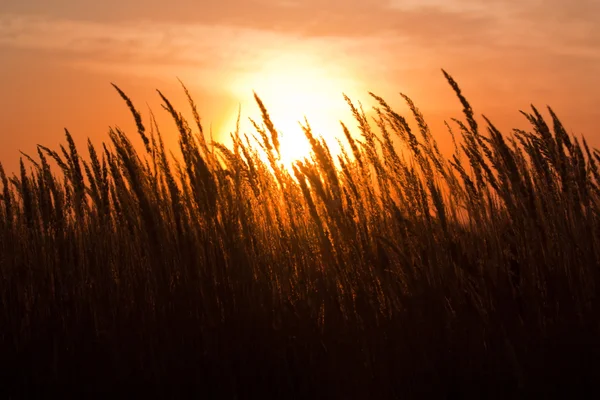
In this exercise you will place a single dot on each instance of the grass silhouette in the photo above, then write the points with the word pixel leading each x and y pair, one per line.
pixel 388 271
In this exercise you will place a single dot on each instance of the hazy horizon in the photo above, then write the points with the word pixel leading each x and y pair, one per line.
pixel 58 62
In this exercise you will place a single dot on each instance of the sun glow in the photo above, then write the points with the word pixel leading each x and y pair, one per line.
pixel 293 88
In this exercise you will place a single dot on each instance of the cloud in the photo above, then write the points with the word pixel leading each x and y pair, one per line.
pixel 211 53
pixel 372 40
pixel 437 24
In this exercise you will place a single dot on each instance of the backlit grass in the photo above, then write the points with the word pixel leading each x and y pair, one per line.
pixel 391 270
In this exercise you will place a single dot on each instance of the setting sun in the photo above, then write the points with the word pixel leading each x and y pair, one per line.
pixel 294 87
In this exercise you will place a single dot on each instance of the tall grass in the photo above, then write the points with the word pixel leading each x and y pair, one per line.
pixel 390 270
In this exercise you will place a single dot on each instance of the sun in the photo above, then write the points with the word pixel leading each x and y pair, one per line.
pixel 294 88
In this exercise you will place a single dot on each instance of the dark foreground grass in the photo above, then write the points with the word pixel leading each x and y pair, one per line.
pixel 391 271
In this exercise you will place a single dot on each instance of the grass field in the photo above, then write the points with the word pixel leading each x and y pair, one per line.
pixel 390 271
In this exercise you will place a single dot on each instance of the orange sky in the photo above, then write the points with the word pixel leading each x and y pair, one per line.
pixel 57 59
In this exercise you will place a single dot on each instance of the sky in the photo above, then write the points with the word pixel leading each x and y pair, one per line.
pixel 58 58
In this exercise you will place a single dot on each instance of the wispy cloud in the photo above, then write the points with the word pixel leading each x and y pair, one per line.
pixel 145 47
pixel 372 41
pixel 186 31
